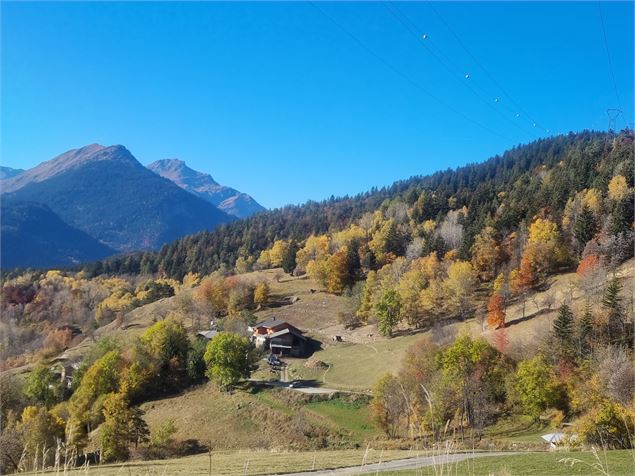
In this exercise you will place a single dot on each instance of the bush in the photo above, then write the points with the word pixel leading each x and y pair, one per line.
pixel 609 425
pixel 349 320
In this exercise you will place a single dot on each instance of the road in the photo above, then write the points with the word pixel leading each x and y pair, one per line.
pixel 303 388
pixel 402 464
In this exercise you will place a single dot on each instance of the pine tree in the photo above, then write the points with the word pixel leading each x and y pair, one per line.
pixel 612 302
pixel 563 328
pixel 621 216
pixel 585 327
pixel 289 257
pixel 585 227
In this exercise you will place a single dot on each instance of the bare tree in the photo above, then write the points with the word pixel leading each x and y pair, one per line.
pixel 451 229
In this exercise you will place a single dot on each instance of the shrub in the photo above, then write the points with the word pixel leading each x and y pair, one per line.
pixel 609 425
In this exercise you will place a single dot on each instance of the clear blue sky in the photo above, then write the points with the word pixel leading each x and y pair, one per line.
pixel 277 100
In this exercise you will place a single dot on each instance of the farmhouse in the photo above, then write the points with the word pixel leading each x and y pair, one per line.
pixel 279 336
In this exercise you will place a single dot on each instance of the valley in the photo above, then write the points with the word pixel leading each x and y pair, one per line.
pixel 400 330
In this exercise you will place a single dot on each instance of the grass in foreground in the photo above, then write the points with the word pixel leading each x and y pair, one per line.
pixel 244 463
pixel 610 463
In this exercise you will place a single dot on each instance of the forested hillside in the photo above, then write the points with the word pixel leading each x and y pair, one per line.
pixel 32 235
pixel 506 193
pixel 484 247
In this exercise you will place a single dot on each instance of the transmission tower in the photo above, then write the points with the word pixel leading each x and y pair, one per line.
pixel 613 115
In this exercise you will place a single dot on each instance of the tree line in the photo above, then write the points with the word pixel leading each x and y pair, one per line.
pixel 504 192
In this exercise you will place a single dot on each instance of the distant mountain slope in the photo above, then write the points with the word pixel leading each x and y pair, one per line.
pixel 34 236
pixel 227 199
pixel 108 194
pixel 8 172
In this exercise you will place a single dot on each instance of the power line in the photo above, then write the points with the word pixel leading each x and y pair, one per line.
pixel 404 76
pixel 608 56
pixel 422 39
pixel 535 123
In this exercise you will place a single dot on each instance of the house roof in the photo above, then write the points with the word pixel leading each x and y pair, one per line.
pixel 292 331
pixel 208 334
pixel 273 322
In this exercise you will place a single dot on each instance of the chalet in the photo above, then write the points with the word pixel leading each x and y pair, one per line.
pixel 279 336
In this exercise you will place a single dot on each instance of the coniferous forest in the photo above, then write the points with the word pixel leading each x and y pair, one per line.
pixel 505 192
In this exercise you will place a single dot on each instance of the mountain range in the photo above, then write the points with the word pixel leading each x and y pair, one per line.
pixel 8 172
pixel 95 201
pixel 227 199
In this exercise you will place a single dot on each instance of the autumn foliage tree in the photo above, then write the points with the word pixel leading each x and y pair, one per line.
pixel 388 312
pixel 486 254
pixel 229 359
pixel 261 293
pixel 496 311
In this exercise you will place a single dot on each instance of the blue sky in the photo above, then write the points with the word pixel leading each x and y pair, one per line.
pixel 293 101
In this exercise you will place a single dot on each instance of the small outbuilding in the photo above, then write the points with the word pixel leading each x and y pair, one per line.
pixel 559 438
pixel 209 335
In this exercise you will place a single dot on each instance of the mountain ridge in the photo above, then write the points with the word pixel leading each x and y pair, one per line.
pixel 9 172
pixel 108 194
pixel 65 162
pixel 204 186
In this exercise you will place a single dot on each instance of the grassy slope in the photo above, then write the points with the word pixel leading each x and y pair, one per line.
pixel 356 366
pixel 269 418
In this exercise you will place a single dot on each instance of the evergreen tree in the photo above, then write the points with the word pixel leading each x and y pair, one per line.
pixel 612 302
pixel 563 329
pixel 288 259
pixel 585 227
pixel 622 216
pixel 585 328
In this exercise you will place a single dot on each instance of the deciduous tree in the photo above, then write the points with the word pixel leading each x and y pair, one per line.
pixel 534 387
pixel 388 308
pixel 229 359
pixel 496 311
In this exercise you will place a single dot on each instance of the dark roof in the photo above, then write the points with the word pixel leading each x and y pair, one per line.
pixel 292 331
pixel 272 323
